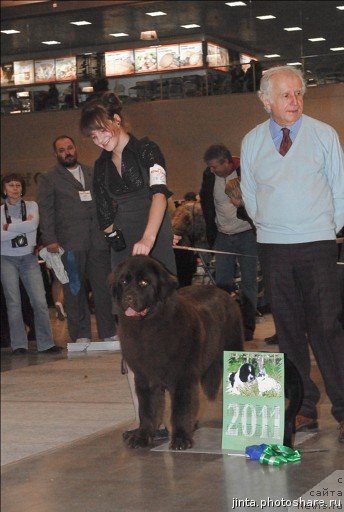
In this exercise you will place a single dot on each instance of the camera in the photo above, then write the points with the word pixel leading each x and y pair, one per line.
pixel 116 240
pixel 19 241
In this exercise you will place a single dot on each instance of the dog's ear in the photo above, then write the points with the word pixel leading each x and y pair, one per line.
pixel 167 283
pixel 112 283
pixel 112 279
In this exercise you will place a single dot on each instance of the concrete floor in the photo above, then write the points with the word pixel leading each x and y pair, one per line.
pixel 95 472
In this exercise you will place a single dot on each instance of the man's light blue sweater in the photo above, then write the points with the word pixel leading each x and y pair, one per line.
pixel 298 197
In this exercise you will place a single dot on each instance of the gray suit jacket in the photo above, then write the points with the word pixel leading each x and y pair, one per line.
pixel 64 218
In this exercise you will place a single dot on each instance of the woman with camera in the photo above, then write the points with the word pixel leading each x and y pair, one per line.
pixel 129 185
pixel 19 222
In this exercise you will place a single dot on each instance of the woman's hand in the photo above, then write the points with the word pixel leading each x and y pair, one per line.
pixel 53 247
pixel 30 217
pixel 143 246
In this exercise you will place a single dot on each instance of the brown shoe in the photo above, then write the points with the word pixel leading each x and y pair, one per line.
pixel 341 432
pixel 303 423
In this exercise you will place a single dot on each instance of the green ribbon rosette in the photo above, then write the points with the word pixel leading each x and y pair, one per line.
pixel 276 454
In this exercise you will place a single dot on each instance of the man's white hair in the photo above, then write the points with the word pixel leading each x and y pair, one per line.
pixel 265 83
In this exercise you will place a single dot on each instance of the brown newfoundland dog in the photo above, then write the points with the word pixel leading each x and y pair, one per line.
pixel 172 340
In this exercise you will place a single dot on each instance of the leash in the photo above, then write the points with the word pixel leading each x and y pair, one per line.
pixel 211 251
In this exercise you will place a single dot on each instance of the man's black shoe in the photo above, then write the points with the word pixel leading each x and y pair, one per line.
pixel 18 351
pixel 272 340
pixel 52 350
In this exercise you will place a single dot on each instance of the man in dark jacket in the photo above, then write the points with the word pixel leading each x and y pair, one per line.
pixel 68 221
pixel 226 232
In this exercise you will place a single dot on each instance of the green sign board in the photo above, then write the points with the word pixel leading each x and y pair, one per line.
pixel 253 399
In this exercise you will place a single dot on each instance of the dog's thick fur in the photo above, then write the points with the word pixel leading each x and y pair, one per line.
pixel 172 340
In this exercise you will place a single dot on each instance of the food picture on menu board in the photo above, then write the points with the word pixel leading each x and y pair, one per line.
pixel 191 55
pixel 23 72
pixel 217 57
pixel 7 74
pixel 145 60
pixel 65 68
pixel 44 70
pixel 119 63
pixel 168 57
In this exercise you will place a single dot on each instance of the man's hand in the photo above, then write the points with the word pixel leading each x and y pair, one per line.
pixel 176 239
pixel 53 247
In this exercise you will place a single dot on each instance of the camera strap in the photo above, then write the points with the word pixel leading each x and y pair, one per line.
pixel 23 212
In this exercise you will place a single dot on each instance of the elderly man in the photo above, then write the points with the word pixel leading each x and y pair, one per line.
pixel 68 220
pixel 293 189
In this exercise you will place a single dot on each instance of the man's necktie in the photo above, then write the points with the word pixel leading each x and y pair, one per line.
pixel 286 142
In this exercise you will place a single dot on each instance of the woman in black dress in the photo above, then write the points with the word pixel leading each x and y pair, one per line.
pixel 130 192
pixel 129 184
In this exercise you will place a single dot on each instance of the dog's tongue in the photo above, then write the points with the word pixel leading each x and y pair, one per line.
pixel 131 312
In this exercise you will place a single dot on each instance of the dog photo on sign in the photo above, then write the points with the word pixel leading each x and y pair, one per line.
pixel 259 376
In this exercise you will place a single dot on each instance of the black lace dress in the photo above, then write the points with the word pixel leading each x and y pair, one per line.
pixel 125 199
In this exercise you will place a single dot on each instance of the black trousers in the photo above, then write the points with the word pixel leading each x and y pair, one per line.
pixel 95 265
pixel 306 307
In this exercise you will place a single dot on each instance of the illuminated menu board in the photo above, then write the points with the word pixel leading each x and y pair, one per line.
pixel 65 69
pixel 23 72
pixel 90 66
pixel 146 60
pixel 119 63
pixel 7 74
pixel 168 57
pixel 191 55
pixel 44 71
pixel 217 57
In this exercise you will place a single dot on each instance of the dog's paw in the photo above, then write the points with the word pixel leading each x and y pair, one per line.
pixel 181 442
pixel 137 439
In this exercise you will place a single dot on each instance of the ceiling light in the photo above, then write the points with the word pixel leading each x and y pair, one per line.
pixel 235 4
pixel 292 29
pixel 192 25
pixel 294 64
pixel 266 17
pixel 79 23
pixel 148 34
pixel 51 42
pixel 119 34
pixel 10 31
pixel 272 55
pixel 156 13
pixel 316 39
pixel 338 49
pixel 340 7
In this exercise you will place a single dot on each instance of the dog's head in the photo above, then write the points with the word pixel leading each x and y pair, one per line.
pixel 139 285
pixel 247 372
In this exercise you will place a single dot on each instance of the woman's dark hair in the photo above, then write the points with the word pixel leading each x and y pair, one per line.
pixel 12 177
pixel 99 111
